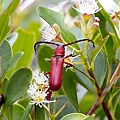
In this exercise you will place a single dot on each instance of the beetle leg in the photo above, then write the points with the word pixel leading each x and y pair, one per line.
pixel 48 59
pixel 70 55
pixel 68 64
pixel 47 74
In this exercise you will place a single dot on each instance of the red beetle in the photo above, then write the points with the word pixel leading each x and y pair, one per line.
pixel 57 61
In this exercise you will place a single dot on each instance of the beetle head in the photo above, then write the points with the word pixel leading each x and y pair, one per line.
pixel 60 50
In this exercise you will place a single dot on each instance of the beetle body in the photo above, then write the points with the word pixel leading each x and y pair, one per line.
pixel 57 61
pixel 56 69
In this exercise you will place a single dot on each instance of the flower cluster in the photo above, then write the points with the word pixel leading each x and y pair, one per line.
pixel 69 58
pixel 38 90
pixel 49 34
pixel 88 7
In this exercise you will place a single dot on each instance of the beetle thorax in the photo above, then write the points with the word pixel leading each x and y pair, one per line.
pixel 60 50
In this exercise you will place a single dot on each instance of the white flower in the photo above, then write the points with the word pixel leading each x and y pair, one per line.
pixel 88 7
pixel 38 90
pixel 110 6
pixel 69 58
pixel 32 89
pixel 49 34
pixel 39 98
pixel 41 78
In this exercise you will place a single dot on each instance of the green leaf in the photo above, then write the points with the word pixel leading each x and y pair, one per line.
pixel 7 60
pixel 114 99
pixel 109 20
pixel 17 85
pixel 18 111
pixel 5 4
pixel 86 103
pixel 100 68
pixel 4 19
pixel 39 113
pixel 14 60
pixel 90 117
pixel 115 102
pixel 83 79
pixel 3 86
pixel 62 100
pixel 117 55
pixel 77 116
pixel 95 52
pixel 109 50
pixel 69 87
pixel 54 17
pixel 5 56
pixel 12 38
pixel 25 43
pixel 26 112
pixel 34 27
pixel 42 56
pixel 4 117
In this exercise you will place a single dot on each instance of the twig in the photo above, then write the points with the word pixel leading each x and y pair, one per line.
pixel 95 106
pixel 101 97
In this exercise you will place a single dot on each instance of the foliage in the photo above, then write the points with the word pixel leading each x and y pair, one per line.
pixel 95 68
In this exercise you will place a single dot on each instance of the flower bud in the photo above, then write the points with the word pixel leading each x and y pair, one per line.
pixel 78 24
pixel 117 13
pixel 56 28
pixel 94 27
pixel 96 19
pixel 116 22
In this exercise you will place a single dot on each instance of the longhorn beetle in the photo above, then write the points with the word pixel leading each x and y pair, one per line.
pixel 57 61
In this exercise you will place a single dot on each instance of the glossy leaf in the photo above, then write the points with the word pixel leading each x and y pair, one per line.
pixel 117 55
pixel 17 85
pixel 24 43
pixel 100 68
pixel 4 117
pixel 7 60
pixel 5 56
pixel 69 87
pixel 14 59
pixel 61 100
pixel 4 85
pixel 88 101
pixel 114 99
pixel 5 4
pixel 17 112
pixel 84 80
pixel 4 19
pixel 95 52
pixel 44 52
pixel 77 116
pixel 54 17
pixel 26 112
pixel 12 38
pixel 34 27
pixel 109 50
pixel 39 113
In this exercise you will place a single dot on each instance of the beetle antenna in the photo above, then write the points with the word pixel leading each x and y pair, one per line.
pixel 80 41
pixel 42 42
